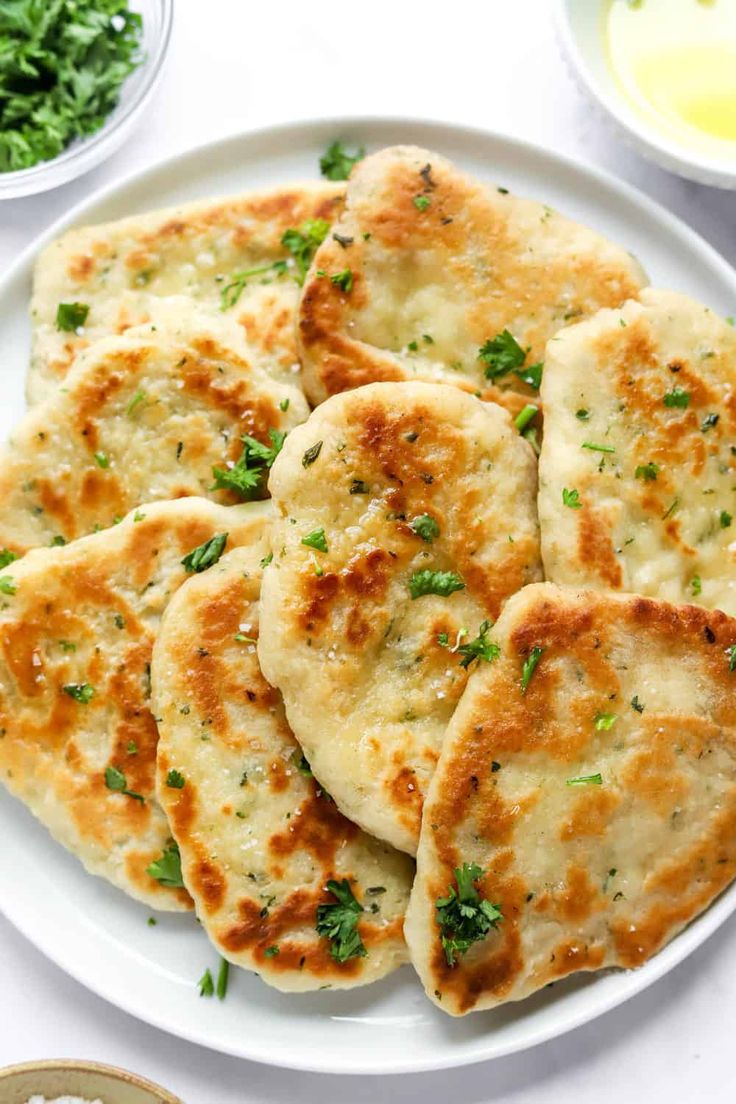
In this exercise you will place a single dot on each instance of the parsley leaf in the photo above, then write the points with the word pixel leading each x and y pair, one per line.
pixel 425 527
pixel 303 244
pixel 336 162
pixel 531 375
pixel 206 984
pixel 571 498
pixel 316 539
pixel 6 557
pixel 647 471
pixel 167 868
pixel 731 653
pixel 70 316
pixel 62 68
pixel 80 691
pixel 434 582
pixel 7 586
pixel 205 555
pixel 696 585
pixel 232 290
pixel 480 648
pixel 463 916
pixel 247 476
pixel 311 454
pixel 725 519
pixel 338 922
pixel 115 781
pixel 677 397
pixel 530 666
pixel 175 780
pixel 501 354
pixel 604 721
pixel 343 280
pixel 421 202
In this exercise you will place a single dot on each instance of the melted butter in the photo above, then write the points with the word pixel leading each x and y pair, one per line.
pixel 675 61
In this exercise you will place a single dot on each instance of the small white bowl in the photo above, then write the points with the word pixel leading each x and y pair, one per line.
pixel 88 1080
pixel 580 28
pixel 84 153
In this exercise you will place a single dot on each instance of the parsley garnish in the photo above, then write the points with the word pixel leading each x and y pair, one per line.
pixel 604 721
pixel 731 653
pixel 63 65
pixel 7 557
pixel 480 648
pixel 102 460
pixel 311 454
pixel 80 691
pixel 647 471
pixel 7 586
pixel 343 280
pixel 530 666
pixel 585 780
pixel 582 414
pixel 338 922
pixel 336 163
pixel 247 476
pixel 725 519
pixel 167 868
pixel 696 585
pixel 636 704
pixel 175 780
pixel 135 402
pixel 115 781
pixel 531 375
pixel 69 316
pixel 316 539
pixel 425 527
pixel 206 984
pixel 300 761
pixel 463 916
pixel 271 952
pixel 232 291
pixel 571 498
pixel 443 583
pixel 676 398
pixel 303 244
pixel 421 202
pixel 360 487
pixel 501 354
pixel 205 555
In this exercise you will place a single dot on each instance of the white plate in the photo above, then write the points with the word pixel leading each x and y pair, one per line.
pixel 99 936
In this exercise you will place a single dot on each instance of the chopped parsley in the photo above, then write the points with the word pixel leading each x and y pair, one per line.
pixel 696 585
pixel 480 648
pixel 63 65
pixel 316 539
pixel 731 653
pixel 677 397
pixel 6 557
pixel 501 354
pixel 531 375
pixel 80 691
pixel 205 555
pixel 338 922
pixel 135 402
pixel 300 761
pixel 571 498
pixel 671 509
pixel 636 704
pixel 303 244
pixel 725 519
pixel 69 316
pixel 421 202
pixel 311 454
pixel 206 984
pixel 582 414
pixel 284 405
pixel 167 868
pixel 234 288
pixel 267 560
pixel 175 780
pixel 102 460
pixel 336 162
pixel 597 448
pixel 586 780
pixel 343 280
pixel 647 471
pixel 248 475
pixel 425 527
pixel 605 721
pixel 115 781
pixel 443 583
pixel 271 952
pixel 530 666
pixel 7 585
pixel 463 916
pixel 359 487
pixel 525 415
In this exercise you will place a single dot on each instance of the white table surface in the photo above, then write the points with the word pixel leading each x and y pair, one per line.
pixel 234 65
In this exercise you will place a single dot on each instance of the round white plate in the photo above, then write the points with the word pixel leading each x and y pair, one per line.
pixel 99 936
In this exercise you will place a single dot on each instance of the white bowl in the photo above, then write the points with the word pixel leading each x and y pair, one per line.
pixel 84 153
pixel 580 29
pixel 88 1080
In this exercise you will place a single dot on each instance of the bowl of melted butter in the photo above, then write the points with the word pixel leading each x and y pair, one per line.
pixel 665 72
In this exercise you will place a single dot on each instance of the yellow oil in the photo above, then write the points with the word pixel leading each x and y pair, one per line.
pixel 675 61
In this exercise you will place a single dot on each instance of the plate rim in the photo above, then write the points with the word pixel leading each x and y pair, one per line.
pixel 700 929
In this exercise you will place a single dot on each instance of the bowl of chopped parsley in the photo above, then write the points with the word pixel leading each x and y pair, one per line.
pixel 74 78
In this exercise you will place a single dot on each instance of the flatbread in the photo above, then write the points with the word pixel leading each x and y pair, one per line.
pixel 259 839
pixel 84 618
pixel 141 417
pixel 655 384
pixel 600 805
pixel 371 676
pixel 119 269
pixel 440 264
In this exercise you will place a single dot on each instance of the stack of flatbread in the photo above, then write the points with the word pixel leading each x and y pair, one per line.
pixel 368 582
